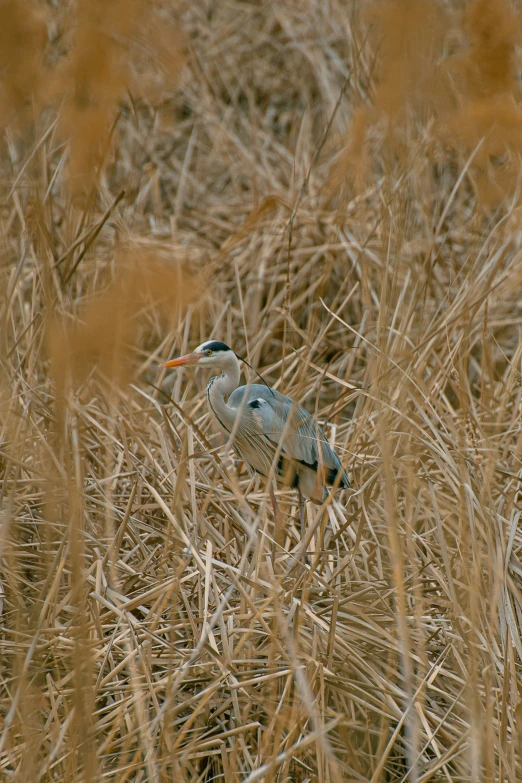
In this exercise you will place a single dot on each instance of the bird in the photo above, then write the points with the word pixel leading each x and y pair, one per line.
pixel 270 432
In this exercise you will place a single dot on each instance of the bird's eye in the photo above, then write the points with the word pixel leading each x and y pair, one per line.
pixel 209 352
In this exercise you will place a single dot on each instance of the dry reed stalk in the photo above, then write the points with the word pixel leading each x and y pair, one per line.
pixel 148 633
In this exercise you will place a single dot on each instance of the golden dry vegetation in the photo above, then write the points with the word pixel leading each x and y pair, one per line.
pixel 334 189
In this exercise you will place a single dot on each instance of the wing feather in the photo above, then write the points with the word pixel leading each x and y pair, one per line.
pixel 268 415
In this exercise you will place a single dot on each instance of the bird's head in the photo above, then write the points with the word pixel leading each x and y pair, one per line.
pixel 211 353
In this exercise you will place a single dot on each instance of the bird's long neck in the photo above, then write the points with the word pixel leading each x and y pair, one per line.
pixel 218 388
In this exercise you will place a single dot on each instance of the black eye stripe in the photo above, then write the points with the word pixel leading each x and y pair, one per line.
pixel 215 346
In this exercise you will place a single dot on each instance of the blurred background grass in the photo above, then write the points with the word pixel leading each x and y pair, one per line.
pixel 333 188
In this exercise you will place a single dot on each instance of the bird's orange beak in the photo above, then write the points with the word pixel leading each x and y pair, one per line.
pixel 189 358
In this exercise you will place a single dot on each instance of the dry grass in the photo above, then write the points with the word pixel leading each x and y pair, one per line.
pixel 333 189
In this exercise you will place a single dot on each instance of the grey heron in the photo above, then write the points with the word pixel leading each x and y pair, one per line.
pixel 269 431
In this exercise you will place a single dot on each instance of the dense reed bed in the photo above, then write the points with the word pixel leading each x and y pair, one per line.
pixel 333 189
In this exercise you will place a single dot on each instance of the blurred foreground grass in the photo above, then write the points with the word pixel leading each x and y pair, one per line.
pixel 334 190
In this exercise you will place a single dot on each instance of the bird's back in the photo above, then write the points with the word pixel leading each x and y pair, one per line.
pixel 271 423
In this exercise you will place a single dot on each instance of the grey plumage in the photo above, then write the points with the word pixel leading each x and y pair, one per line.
pixel 273 425
pixel 266 428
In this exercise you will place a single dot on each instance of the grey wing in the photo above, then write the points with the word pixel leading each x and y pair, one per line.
pixel 278 417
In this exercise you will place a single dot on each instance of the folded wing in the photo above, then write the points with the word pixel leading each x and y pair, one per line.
pixel 278 421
